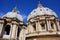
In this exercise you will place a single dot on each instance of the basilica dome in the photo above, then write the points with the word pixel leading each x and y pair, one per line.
pixel 13 14
pixel 40 10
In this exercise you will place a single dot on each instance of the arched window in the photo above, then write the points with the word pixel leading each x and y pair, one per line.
pixel 18 32
pixel 7 30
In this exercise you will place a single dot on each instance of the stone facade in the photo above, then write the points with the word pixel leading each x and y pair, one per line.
pixel 9 28
pixel 45 28
pixel 39 27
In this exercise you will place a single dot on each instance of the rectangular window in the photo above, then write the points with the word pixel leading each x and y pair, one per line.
pixel 43 26
pixel 52 25
pixel 18 32
pixel 34 25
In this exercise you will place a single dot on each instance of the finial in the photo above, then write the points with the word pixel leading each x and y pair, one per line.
pixel 39 4
pixel 14 9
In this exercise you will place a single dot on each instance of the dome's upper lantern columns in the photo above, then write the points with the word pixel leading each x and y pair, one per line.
pixel 39 4
pixel 14 9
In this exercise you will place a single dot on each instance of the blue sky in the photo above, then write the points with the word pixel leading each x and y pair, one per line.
pixel 26 6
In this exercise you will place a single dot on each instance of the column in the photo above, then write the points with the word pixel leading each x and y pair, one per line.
pixel 30 28
pixel 55 27
pixel 57 23
pixel 38 26
pixel 22 35
pixel 1 29
pixel 14 31
pixel 48 25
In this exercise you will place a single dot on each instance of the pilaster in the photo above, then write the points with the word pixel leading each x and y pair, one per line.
pixel 14 31
pixel 22 35
pixel 1 27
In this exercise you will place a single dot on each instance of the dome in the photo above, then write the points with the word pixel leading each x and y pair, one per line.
pixel 40 10
pixel 13 14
